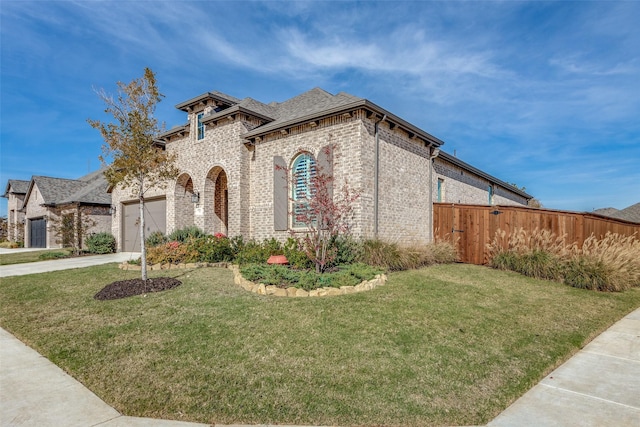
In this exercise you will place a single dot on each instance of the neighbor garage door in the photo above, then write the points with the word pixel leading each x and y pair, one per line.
pixel 155 219
pixel 38 233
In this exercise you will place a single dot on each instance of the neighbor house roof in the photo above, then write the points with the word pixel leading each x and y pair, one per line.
pixel 89 189
pixel 464 165
pixel 630 213
pixel 16 186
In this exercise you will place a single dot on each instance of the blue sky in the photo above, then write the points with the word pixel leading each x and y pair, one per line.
pixel 542 94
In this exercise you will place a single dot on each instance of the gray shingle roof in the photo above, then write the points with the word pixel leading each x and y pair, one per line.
pixel 94 191
pixel 89 189
pixel 314 101
pixel 318 103
pixel 16 186
pixel 309 105
pixel 630 213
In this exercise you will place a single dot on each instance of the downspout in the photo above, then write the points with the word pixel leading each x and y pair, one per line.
pixel 434 154
pixel 376 173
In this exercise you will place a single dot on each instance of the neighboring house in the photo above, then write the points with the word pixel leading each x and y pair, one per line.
pixel 234 154
pixel 14 193
pixel 50 199
pixel 459 182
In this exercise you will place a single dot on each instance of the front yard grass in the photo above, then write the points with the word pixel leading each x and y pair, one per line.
pixel 444 345
pixel 31 256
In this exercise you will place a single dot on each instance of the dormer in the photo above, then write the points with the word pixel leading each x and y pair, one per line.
pixel 212 101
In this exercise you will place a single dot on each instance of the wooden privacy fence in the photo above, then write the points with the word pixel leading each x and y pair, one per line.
pixel 473 227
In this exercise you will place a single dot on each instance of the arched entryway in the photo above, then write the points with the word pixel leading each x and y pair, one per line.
pixel 216 202
pixel 183 203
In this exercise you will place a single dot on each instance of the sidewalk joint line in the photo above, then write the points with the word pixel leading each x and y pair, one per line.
pixel 610 355
pixel 636 408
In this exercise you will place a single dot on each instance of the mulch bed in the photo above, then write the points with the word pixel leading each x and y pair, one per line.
pixel 129 288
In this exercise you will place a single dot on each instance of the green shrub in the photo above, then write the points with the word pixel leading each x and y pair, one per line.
pixel 53 255
pixel 253 252
pixel 348 250
pixel 185 234
pixel 156 239
pixel 101 243
pixel 295 255
pixel 283 276
pixel 211 249
pixel 237 244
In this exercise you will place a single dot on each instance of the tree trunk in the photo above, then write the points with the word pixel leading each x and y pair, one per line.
pixel 143 249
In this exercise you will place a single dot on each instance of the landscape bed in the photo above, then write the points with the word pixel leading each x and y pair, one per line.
pixel 444 345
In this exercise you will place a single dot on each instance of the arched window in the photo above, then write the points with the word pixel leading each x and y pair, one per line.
pixel 303 171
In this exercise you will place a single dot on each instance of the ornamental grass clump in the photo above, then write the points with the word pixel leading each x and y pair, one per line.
pixel 610 263
pixel 394 257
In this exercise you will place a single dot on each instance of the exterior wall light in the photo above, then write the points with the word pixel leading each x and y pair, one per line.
pixel 195 197
pixel 112 210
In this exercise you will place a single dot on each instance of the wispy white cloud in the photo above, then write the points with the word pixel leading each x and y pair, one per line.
pixel 527 91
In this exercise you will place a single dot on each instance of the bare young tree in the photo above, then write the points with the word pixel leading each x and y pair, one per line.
pixel 71 226
pixel 325 216
pixel 134 161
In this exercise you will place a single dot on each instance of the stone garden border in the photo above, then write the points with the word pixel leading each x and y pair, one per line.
pixel 262 289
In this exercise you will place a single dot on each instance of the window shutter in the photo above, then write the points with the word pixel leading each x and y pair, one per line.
pixel 325 166
pixel 280 197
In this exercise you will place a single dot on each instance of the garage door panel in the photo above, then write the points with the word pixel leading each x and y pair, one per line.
pixel 155 219
pixel 38 233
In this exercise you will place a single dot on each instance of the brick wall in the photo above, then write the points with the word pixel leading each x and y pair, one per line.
pixel 15 228
pixel 403 207
pixel 462 186
pixel 236 182
pixel 343 133
pixel 34 210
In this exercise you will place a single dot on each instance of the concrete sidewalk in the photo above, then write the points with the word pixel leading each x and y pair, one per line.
pixel 63 264
pixel 35 392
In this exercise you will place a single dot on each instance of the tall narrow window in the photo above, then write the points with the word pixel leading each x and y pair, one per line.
pixel 303 171
pixel 440 190
pixel 200 126
pixel 490 194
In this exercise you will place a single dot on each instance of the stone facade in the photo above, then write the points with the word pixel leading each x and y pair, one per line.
pixel 229 170
pixel 35 209
pixel 15 217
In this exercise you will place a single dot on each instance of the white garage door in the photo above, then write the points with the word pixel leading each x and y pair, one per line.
pixel 155 219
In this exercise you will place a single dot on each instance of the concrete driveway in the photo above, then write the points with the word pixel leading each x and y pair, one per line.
pixel 60 264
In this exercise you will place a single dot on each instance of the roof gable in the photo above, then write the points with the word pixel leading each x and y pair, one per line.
pixel 216 98
pixel 16 186
pixel 88 189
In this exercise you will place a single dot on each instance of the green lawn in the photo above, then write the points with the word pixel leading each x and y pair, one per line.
pixel 445 345
pixel 31 256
